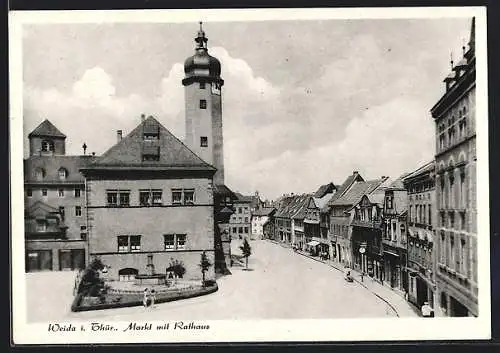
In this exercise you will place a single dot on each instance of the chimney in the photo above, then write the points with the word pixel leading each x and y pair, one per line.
pixel 143 117
pixel 119 135
pixel 93 153
pixel 382 177
pixel 354 172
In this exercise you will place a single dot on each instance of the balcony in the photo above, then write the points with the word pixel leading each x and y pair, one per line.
pixel 373 224
pixel 420 225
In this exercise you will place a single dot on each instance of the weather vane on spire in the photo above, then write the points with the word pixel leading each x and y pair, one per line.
pixel 201 28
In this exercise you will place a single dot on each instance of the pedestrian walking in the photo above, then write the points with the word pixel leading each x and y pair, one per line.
pixel 146 300
pixel 427 310
pixel 153 297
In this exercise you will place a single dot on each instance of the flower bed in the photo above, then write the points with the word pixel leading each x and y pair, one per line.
pixel 119 299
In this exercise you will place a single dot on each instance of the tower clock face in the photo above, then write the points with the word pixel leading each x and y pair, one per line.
pixel 216 88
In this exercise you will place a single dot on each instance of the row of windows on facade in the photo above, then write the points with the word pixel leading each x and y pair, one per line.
pixel 239 219
pixel 420 214
pixel 284 223
pixel 420 197
pixel 121 198
pixel 60 192
pixel 458 255
pixel 367 214
pixel 240 230
pixel 451 196
pixel 448 132
pixel 339 230
pixel 242 209
pixel 420 253
pixel 132 243
pixel 391 231
pixel 447 220
pixel 421 187
pixel 62 173
pixel 41 226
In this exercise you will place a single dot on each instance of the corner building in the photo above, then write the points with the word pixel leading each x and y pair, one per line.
pixel 54 201
pixel 150 200
pixel 456 232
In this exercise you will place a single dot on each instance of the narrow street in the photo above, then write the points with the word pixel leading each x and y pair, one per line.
pixel 279 285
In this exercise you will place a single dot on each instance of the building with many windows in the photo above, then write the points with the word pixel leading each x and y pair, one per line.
pixel 240 222
pixel 150 200
pixel 395 236
pixel 54 199
pixel 421 224
pixel 456 232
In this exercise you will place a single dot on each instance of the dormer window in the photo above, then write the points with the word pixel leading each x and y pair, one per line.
pixel 150 153
pixel 151 131
pixel 40 174
pixel 63 173
pixel 202 85
pixel 47 146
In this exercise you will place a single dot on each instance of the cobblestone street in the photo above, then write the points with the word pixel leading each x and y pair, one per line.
pixel 269 290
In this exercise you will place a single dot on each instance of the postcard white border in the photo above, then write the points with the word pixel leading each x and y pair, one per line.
pixel 255 330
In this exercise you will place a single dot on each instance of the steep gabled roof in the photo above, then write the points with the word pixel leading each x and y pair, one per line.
pixel 356 192
pixel 172 153
pixel 351 179
pixel 46 128
pixel 265 211
pixel 324 189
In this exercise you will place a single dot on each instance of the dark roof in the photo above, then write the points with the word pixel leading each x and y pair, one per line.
pixel 51 166
pixel 46 128
pixel 325 189
pixel 354 194
pixel 243 198
pixel 172 153
pixel 264 211
pixel 223 191
pixel 345 186
pixel 293 206
pixel 426 168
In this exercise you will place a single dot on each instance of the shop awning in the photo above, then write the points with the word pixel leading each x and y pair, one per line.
pixel 313 243
pixel 311 221
pixel 421 235
pixel 411 233
pixel 430 236
pixel 391 253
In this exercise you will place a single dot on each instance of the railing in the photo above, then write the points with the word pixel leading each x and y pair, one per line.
pixel 375 224
pixel 420 225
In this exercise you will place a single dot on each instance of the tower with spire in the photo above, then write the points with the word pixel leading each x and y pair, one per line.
pixel 203 105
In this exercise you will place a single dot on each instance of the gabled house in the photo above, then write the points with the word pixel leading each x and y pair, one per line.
pixel 340 207
pixel 395 236
pixel 150 176
pixel 259 218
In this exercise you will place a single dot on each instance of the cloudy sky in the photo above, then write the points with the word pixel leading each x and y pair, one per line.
pixel 304 102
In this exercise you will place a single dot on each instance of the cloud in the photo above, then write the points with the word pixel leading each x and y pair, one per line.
pixel 385 140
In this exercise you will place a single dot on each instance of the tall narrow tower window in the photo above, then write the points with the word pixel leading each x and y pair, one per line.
pixel 203 104
pixel 203 141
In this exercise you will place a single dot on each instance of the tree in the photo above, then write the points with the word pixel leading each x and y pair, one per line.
pixel 246 250
pixel 177 267
pixel 204 265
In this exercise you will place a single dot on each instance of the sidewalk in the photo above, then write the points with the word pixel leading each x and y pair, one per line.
pixel 401 307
